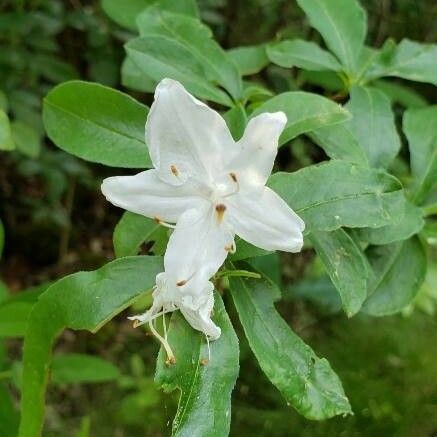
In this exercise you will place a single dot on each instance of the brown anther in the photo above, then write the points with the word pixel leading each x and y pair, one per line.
pixel 170 360
pixel 233 177
pixel 220 210
pixel 181 283
pixel 157 220
pixel 174 170
pixel 204 361
pixel 136 323
pixel 229 247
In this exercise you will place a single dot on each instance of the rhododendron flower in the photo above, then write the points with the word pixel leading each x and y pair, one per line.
pixel 213 183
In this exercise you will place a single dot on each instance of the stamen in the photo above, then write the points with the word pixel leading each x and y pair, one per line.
pixel 181 283
pixel 220 210
pixel 174 170
pixel 171 359
pixel 230 248
pixel 162 223
pixel 234 178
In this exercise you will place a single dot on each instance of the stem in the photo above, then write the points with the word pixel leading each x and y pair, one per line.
pixel 244 273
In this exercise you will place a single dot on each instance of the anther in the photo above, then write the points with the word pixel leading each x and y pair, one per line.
pixel 136 323
pixel 220 210
pixel 174 170
pixel 233 177
pixel 181 283
pixel 204 361
pixel 230 248
pixel 162 223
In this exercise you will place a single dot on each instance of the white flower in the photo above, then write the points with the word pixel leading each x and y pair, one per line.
pixel 199 166
pixel 185 285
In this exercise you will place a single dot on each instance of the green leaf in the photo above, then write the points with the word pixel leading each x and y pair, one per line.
pixel 6 141
pixel 97 123
pixel 2 238
pixel 329 80
pixel 160 57
pixel 236 119
pixel 80 369
pixel 307 382
pixel 135 79
pixel 246 250
pixel 337 193
pixel 342 24
pixel 302 54
pixel 26 139
pixel 409 60
pixel 398 272
pixel 205 403
pixel 305 112
pixel 345 264
pixel 373 125
pixel 9 416
pixel 130 232
pixel 401 94
pixel 420 127
pixel 4 104
pixel 339 142
pixel 84 300
pixel 249 59
pixel 404 226
pixel 125 13
pixel 196 38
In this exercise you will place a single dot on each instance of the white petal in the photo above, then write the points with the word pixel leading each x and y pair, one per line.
pixel 199 244
pixel 185 137
pixel 258 148
pixel 200 318
pixel 266 221
pixel 147 195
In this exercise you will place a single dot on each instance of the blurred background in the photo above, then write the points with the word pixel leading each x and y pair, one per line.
pixel 57 222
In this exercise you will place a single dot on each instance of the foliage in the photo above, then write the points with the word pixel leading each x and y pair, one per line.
pixel 363 179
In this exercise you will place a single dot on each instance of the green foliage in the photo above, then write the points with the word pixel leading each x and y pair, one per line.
pixel 305 112
pixel 307 382
pixel 97 123
pixel 205 403
pixel 66 305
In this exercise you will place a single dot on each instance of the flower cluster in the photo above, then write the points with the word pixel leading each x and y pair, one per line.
pixel 212 188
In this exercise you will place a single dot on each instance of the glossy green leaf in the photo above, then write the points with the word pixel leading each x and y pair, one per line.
pixel 307 382
pixel 26 139
pixel 6 141
pixel 125 12
pixel 420 127
pixel 342 24
pixel 398 272
pixel 409 60
pixel 398 93
pixel 197 38
pixel 135 79
pixel 160 57
pixel 249 59
pixel 345 264
pixel 305 112
pixel 404 226
pixel 204 407
pixel 339 142
pixel 97 123
pixel 81 369
pixel 373 125
pixel 84 300
pixel 337 193
pixel 302 54
pixel 130 232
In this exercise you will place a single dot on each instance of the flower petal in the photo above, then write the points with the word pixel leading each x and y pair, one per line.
pixel 185 137
pixel 200 318
pixel 257 149
pixel 198 245
pixel 146 194
pixel 266 221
